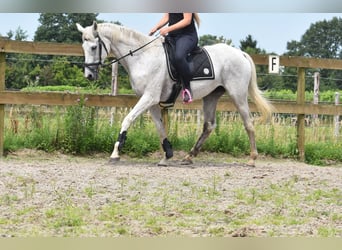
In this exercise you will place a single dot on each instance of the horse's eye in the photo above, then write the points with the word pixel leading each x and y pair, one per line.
pixel 93 47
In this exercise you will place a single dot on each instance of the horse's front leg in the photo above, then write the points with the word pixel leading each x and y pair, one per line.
pixel 145 102
pixel 166 145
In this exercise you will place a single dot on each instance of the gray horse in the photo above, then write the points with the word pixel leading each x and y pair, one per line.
pixel 234 70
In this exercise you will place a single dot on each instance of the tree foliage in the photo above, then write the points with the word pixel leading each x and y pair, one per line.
pixel 19 66
pixel 19 34
pixel 322 40
pixel 210 40
pixel 249 45
pixel 61 27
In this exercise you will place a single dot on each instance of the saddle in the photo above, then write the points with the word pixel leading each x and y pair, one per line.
pixel 200 64
pixel 199 61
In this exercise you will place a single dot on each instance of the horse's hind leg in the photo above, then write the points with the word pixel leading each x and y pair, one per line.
pixel 209 113
pixel 241 104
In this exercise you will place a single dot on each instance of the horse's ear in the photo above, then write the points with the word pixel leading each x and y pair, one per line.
pixel 95 33
pixel 95 25
pixel 79 27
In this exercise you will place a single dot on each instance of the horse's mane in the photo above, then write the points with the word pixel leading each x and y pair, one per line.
pixel 117 32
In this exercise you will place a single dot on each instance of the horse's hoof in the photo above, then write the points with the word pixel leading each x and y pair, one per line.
pixel 163 163
pixel 186 162
pixel 114 160
pixel 251 163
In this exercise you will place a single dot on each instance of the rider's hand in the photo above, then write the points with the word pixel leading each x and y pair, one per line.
pixel 164 31
pixel 152 31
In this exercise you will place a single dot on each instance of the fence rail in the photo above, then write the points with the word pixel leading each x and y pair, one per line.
pixel 299 107
pixel 225 104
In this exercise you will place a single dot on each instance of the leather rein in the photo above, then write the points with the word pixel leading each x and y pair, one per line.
pixel 102 44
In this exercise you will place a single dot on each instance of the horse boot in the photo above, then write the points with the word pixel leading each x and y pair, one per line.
pixel 186 93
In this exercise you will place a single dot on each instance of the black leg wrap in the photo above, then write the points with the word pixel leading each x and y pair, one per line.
pixel 167 148
pixel 121 139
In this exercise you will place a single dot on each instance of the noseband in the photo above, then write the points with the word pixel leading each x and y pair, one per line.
pixel 97 64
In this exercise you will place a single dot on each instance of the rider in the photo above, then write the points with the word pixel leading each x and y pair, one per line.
pixel 182 32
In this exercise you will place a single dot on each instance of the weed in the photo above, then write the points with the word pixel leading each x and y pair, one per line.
pixel 79 128
pixel 90 191
pixel 216 231
pixel 122 230
pixel 186 183
pixel 50 213
pixel 213 189
pixel 68 216
pixel 24 211
pixel 8 199
pixel 326 231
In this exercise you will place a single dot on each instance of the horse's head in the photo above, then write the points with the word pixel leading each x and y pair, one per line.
pixel 95 50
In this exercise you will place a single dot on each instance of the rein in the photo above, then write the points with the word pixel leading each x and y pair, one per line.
pixel 130 53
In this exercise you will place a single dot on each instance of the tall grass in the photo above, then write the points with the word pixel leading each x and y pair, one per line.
pixel 80 129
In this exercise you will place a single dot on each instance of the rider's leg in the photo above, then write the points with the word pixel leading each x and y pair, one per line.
pixel 184 45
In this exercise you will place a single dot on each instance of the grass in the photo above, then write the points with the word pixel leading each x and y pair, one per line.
pixel 84 130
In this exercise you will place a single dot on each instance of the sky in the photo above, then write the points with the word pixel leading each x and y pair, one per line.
pixel 272 31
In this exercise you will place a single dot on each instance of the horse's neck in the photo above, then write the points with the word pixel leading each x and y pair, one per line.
pixel 123 40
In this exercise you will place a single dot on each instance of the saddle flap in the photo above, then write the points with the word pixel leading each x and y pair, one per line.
pixel 200 63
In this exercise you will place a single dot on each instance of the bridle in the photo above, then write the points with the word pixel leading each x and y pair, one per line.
pixel 99 63
pixel 102 44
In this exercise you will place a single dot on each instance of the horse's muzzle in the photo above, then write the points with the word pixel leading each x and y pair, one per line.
pixel 91 72
pixel 91 77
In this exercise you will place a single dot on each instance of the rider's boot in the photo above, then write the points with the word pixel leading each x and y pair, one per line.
pixel 186 93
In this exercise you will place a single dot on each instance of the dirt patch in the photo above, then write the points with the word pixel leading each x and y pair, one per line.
pixel 60 195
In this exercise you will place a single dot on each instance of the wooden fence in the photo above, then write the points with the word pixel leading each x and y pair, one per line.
pixel 299 107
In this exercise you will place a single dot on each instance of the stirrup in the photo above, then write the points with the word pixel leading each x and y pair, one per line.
pixel 187 98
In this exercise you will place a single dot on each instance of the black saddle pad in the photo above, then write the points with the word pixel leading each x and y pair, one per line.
pixel 199 60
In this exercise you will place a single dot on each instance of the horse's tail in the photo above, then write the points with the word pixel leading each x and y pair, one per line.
pixel 262 104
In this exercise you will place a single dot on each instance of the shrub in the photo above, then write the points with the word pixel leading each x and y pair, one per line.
pixel 79 130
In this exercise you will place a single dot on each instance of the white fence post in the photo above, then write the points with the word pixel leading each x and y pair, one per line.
pixel 316 93
pixel 114 79
pixel 337 117
pixel 114 90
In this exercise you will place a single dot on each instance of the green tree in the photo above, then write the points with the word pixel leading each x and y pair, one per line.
pixel 323 39
pixel 19 34
pixel 18 66
pixel 61 27
pixel 249 45
pixel 210 40
pixel 265 80
pixel 67 74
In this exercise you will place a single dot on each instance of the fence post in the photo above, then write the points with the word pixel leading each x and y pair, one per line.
pixel 114 79
pixel 301 117
pixel 165 118
pixel 114 90
pixel 2 106
pixel 337 117
pixel 316 93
